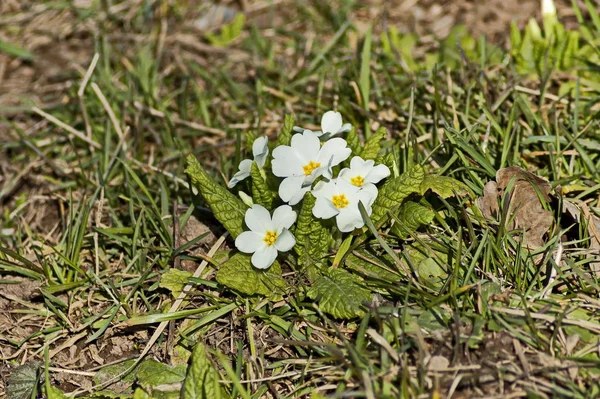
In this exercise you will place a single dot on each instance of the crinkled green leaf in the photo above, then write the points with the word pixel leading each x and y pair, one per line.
pixel 152 373
pixel 227 208
pixel 261 193
pixel 22 381
pixel 388 160
pixel 202 380
pixel 353 141
pixel 395 190
pixel 140 394
pixel 340 294
pixel 444 186
pixel 426 262
pixel 114 370
pixel 411 216
pixel 285 137
pixel 373 144
pixel 367 263
pixel 250 137
pixel 312 236
pixel 238 274
pixel 55 393
pixel 174 280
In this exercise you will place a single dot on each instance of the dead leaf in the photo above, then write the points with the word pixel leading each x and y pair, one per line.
pixel 593 223
pixel 526 210
pixel 438 363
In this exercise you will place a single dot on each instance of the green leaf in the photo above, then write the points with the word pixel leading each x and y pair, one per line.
pixel 238 274
pixel 140 394
pixel 373 144
pixel 367 263
pixel 312 236
pixel 227 208
pixel 394 191
pixel 229 32
pixel 388 160
pixel 55 393
pixel 285 137
pixel 340 294
pixel 250 136
pixel 109 372
pixel 152 373
pixel 427 268
pixel 22 381
pixel 261 193
pixel 353 141
pixel 202 380
pixel 174 280
pixel 410 217
pixel 444 186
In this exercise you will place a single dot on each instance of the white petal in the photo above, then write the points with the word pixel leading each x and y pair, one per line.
pixel 249 241
pixel 238 177
pixel 349 219
pixel 331 122
pixel 287 162
pixel 336 148
pixel 298 195
pixel 324 208
pixel 347 188
pixel 323 170
pixel 246 199
pixel 284 217
pixel 258 219
pixel 346 174
pixel 325 189
pixel 377 174
pixel 245 166
pixel 264 257
pixel 260 151
pixel 361 167
pixel 290 186
pixel 306 144
pixel 285 241
pixel 346 128
pixel 367 194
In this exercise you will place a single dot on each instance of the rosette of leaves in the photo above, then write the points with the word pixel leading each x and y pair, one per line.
pixel 339 292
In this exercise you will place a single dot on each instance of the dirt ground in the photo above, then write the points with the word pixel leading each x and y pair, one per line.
pixel 63 47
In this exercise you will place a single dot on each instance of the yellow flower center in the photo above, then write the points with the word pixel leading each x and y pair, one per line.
pixel 340 201
pixel 358 181
pixel 309 167
pixel 270 238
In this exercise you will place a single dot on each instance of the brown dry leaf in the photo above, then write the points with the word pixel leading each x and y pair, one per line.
pixel 593 223
pixel 525 209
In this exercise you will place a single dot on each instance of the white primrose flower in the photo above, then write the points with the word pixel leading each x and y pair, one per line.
pixel 260 151
pixel 305 160
pixel 363 173
pixel 340 198
pixel 331 124
pixel 267 235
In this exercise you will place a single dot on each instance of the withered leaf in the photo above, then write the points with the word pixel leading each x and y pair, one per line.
pixel 526 210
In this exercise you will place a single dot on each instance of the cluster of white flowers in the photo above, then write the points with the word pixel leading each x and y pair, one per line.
pixel 311 155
